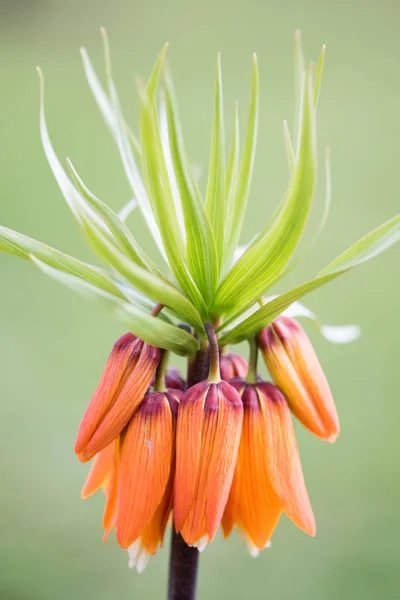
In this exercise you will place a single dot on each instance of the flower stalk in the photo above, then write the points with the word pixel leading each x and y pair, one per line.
pixel 218 451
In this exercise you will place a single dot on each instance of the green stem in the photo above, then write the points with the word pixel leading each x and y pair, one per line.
pixel 159 384
pixel 252 372
pixel 214 374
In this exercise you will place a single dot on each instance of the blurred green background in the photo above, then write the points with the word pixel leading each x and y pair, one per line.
pixel 53 344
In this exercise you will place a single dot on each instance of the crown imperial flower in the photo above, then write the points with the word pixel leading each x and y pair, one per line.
pixel 295 368
pixel 208 433
pixel 268 478
pixel 123 384
pixel 209 452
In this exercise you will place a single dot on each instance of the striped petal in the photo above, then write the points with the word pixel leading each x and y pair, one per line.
pixel 295 368
pixel 232 365
pixel 124 351
pixel 128 397
pixel 252 506
pixel 208 434
pixel 146 459
pixel 282 457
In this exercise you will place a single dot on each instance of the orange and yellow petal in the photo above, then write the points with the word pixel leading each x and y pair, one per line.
pixel 104 396
pixel 208 434
pixel 253 506
pixel 282 457
pixel 295 368
pixel 130 394
pixel 232 365
pixel 99 473
pixel 146 458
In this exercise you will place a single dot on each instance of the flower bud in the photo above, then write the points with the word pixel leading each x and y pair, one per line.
pixel 174 380
pixel 146 475
pixel 232 365
pixel 294 367
pixel 268 479
pixel 125 379
pixel 208 433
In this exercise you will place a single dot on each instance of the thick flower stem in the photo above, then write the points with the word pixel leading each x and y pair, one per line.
pixel 184 559
pixel 183 565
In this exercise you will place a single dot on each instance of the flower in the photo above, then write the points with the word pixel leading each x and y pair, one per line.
pixel 123 384
pixel 268 478
pixel 232 365
pixel 295 368
pixel 136 472
pixel 207 441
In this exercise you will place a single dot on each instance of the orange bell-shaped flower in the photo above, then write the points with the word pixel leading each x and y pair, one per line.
pixel 123 384
pixel 295 368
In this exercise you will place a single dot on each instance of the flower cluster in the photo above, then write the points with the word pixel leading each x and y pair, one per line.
pixel 210 451
pixel 221 452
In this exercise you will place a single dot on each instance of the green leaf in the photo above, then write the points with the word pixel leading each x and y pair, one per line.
pixel 122 138
pixel 104 103
pixel 318 76
pixel 371 245
pixel 266 258
pixel 118 229
pixel 152 330
pixel 289 148
pixel 246 168
pixel 127 209
pixel 76 203
pixel 231 178
pixel 200 245
pixel 215 196
pixel 147 283
pixel 161 195
pixel 299 66
pixel 23 246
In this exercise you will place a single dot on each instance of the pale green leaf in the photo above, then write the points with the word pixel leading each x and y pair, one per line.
pixel 318 76
pixel 146 282
pixel 231 178
pixel 371 245
pixel 161 195
pixel 118 229
pixel 266 258
pixel 151 329
pixel 215 197
pixel 25 247
pixel 200 246
pixel 289 148
pixel 127 209
pixel 246 168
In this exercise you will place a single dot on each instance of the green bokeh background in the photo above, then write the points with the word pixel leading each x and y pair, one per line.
pixel 53 344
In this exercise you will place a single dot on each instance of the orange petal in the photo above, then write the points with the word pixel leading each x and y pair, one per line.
pixel 130 394
pixel 99 473
pixel 104 396
pixel 296 370
pixel 282 456
pixel 204 475
pixel 111 506
pixel 252 505
pixel 146 458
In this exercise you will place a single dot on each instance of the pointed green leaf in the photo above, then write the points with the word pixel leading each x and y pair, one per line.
pixel 104 103
pixel 371 245
pixel 231 178
pixel 161 195
pixel 266 258
pixel 200 246
pixel 318 75
pixel 25 247
pixel 215 196
pixel 246 167
pixel 147 283
pixel 152 330
pixel 289 148
pixel 118 229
